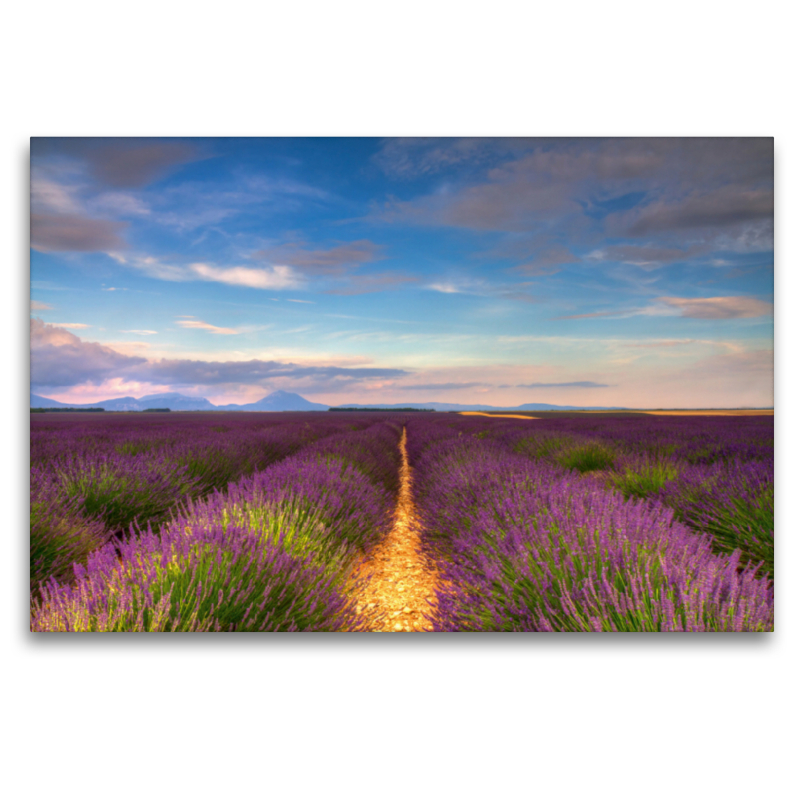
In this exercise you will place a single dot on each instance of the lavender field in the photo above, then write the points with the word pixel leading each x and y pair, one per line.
pixel 273 522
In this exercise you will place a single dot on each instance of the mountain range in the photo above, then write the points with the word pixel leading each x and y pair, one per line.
pixel 277 401
pixel 280 401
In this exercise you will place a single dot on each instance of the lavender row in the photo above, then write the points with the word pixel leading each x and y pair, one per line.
pixel 114 472
pixel 527 545
pixel 273 553
pixel 717 474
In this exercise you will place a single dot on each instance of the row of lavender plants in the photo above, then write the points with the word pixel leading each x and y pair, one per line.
pixel 716 473
pixel 531 532
pixel 91 480
pixel 273 551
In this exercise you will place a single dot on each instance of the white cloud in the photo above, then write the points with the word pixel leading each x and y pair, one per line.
pixel 119 203
pixel 205 326
pixel 277 277
pixel 445 288
pixel 37 306
pixel 142 333
pixel 76 325
pixel 52 197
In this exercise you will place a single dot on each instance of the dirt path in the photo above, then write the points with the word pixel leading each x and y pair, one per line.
pixel 403 583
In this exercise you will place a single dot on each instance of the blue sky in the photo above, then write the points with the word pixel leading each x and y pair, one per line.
pixel 632 272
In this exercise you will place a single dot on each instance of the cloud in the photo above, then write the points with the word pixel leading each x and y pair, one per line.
pixel 481 288
pixel 256 371
pixel 76 325
pixel 278 277
pixel 272 278
pixel 647 257
pixel 374 282
pixel 121 163
pixel 633 187
pixel 527 192
pixel 573 384
pixel 331 261
pixel 142 333
pixel 339 263
pixel 409 158
pixel 62 232
pixel 197 324
pixel 547 262
pixel 719 307
pixel 50 196
pixel 721 208
pixel 435 387
pixel 119 204
pixel 59 358
pixel 37 306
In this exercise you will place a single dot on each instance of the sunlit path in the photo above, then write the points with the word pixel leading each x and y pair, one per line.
pixel 402 587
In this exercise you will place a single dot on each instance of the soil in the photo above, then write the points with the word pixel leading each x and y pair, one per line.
pixel 400 593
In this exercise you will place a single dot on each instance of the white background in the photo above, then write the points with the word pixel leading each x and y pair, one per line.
pixel 646 716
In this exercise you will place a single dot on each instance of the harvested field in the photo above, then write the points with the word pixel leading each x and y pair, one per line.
pixel 717 412
pixel 484 414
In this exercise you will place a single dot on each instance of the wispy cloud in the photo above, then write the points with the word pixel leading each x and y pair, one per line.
pixel 265 278
pixel 271 278
pixel 483 288
pixel 37 306
pixel 719 307
pixel 196 324
pixel 334 260
pixel 646 256
pixel 71 325
pixel 546 262
pixel 433 387
pixel 142 333
pixel 373 282
pixel 570 385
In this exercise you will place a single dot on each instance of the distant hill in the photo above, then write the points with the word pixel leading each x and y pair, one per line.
pixel 478 407
pixel 286 401
pixel 37 401
pixel 277 401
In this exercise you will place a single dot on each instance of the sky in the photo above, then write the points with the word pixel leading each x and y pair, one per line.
pixel 586 272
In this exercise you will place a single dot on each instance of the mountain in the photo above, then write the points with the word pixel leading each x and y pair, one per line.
pixel 37 401
pixel 277 401
pixel 176 402
pixel 284 401
pixel 478 407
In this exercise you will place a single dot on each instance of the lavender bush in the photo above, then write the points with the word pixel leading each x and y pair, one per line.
pixel 200 578
pixel 527 545
pixel 60 534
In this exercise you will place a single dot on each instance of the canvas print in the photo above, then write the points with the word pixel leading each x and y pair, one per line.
pixel 401 385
